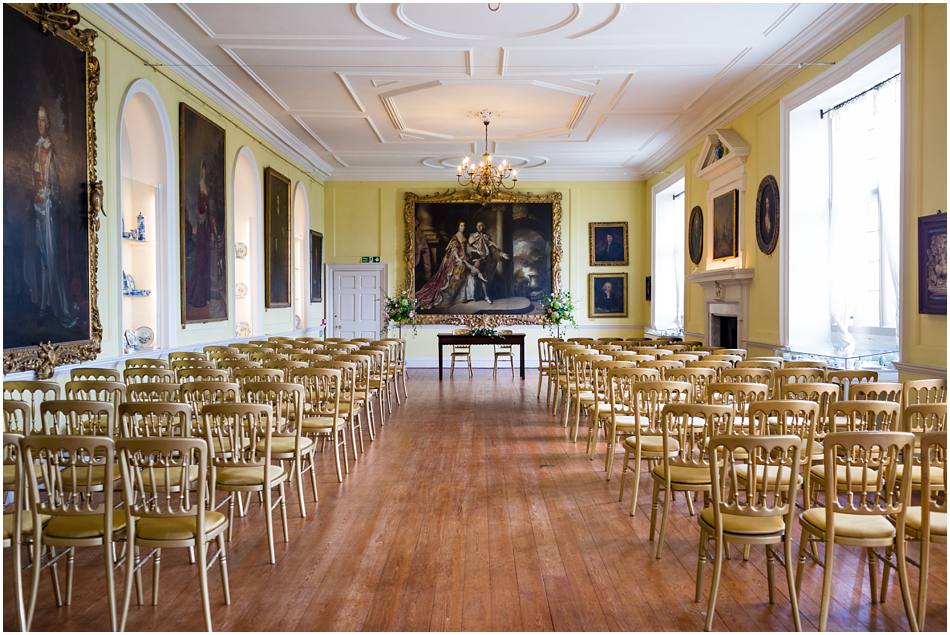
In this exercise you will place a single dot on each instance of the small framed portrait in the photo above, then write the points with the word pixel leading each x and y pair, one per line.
pixel 932 264
pixel 726 225
pixel 607 295
pixel 316 266
pixel 696 234
pixel 608 244
pixel 767 215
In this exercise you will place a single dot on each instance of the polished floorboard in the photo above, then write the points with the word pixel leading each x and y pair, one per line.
pixel 472 510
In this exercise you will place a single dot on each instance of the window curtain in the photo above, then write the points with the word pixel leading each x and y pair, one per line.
pixel 864 214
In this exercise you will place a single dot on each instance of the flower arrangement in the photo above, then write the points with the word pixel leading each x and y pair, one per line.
pixel 485 331
pixel 557 310
pixel 400 310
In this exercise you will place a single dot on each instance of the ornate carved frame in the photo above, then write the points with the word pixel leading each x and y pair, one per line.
pixel 462 196
pixel 60 21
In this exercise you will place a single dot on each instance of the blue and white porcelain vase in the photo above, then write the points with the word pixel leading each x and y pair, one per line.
pixel 140 228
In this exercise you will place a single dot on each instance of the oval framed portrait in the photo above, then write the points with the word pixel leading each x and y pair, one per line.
pixel 696 234
pixel 767 215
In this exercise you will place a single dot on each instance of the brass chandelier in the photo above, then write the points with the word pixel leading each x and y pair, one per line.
pixel 485 178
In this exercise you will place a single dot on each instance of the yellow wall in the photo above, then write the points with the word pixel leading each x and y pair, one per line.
pixel 120 68
pixel 366 219
pixel 924 337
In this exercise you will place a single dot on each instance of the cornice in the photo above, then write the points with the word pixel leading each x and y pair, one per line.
pixel 141 25
pixel 546 173
pixel 830 30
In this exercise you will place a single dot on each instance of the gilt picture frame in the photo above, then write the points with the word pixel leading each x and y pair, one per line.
pixel 608 244
pixel 316 266
pixel 52 195
pixel 725 225
pixel 482 262
pixel 277 239
pixel 607 295
pixel 932 264
pixel 695 238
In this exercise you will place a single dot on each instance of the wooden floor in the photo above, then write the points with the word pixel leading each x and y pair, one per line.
pixel 472 511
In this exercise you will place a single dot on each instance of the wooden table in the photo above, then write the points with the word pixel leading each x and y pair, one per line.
pixel 451 339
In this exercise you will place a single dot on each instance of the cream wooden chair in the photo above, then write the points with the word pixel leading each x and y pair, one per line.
pixel 175 356
pixel 795 417
pixel 680 357
pixel 153 391
pixel 561 372
pixel 382 380
pixel 739 394
pixel 698 378
pixel 630 356
pixel 600 416
pixel 586 341
pixel 785 377
pixel 14 514
pixel 717 365
pixel 926 523
pixel 846 378
pixel 503 351
pixel 583 391
pixel 231 365
pixel 750 513
pixel 311 358
pixel 156 520
pixel 198 394
pixel 217 349
pixel 239 436
pixel 154 419
pixel 824 394
pixel 746 375
pixel 287 366
pixel 266 356
pixel 145 362
pixel 96 390
pixel 34 393
pixel 759 362
pixel 323 417
pixel 546 365
pixel 242 376
pixel 683 466
pixel 878 391
pixel 399 363
pixel 355 395
pixel 919 420
pixel 663 365
pixel 74 510
pixel 738 352
pixel 143 375
pixel 78 417
pixel 101 374
pixel 202 374
pixel 624 416
pixel 190 364
pixel 569 382
pixel 287 442
pixel 644 400
pixel 805 363
pixel 922 391
pixel 376 369
pixel 865 467
pixel 461 352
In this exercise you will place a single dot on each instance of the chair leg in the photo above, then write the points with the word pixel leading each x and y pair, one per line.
pixel 494 368
pixel 636 487
pixel 202 549
pixel 666 512
pixel 654 505
pixel 468 358
pixel 283 511
pixel 826 585
pixel 131 562
pixel 540 377
pixel 269 523
pixel 156 572
pixel 714 591
pixel 70 566
pixel 872 573
pixel 110 583
pixel 312 458
pixel 336 455
pixel 800 565
pixel 298 478
pixel 790 580
pixel 230 514
pixel 922 584
pixel 18 583
pixel 35 581
pixel 700 565
pixel 223 564
pixel 905 583
pixel 770 571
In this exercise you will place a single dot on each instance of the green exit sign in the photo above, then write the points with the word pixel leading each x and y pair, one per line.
pixel 370 259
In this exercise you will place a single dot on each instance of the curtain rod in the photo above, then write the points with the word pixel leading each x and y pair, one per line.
pixel 861 94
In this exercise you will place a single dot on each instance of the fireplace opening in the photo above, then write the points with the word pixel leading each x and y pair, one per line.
pixel 725 331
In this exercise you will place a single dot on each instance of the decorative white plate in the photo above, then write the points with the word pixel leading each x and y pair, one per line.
pixel 240 290
pixel 243 329
pixel 240 250
pixel 145 335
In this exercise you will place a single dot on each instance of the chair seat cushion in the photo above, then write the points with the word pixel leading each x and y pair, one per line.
pixel 765 473
pixel 177 528
pixel 850 525
pixel 94 475
pixel 87 526
pixel 649 444
pixel 321 422
pixel 938 521
pixel 248 475
pixel 857 473
pixel 285 445
pixel 174 477
pixel 936 475
pixel 9 474
pixel 684 474
pixel 629 422
pixel 26 524
pixel 749 525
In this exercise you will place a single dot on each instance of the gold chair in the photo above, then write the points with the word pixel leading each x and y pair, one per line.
pixel 182 355
pixel 241 376
pixel 78 417
pixel 846 378
pixel 683 464
pixel 920 420
pixel 927 522
pixel 805 363
pixel 376 369
pixel 717 365
pixel 14 514
pixel 236 364
pixel 546 365
pixel 157 520
pixel 287 442
pixel 795 417
pixel 202 374
pixel 154 391
pixel 96 390
pixel 586 341
pixel 663 365
pixel 784 377
pixel 921 391
pixel 759 362
pixel 351 402
pixel 738 352
pixel 198 394
pixel 362 395
pixel 601 414
pixel 239 436
pixel 583 393
pixel 311 359
pixel 625 415
pixel 74 510
pixel 143 375
pixel 746 375
pixel 724 357
pixel 208 350
pixel 33 393
pixel 102 374
pixel 189 364
pixel 866 467
pixel 680 357
pixel 323 417
pixel 145 362
pixel 824 394
pixel 503 351
pixel 560 371
pixel 154 419
pixel 750 513
pixel 878 391
pixel 739 394
pixel 698 378
pixel 644 401
pixel 17 419
pixel 399 363
pixel 461 351
pixel 384 378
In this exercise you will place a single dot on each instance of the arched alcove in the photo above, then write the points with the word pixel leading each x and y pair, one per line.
pixel 248 245
pixel 146 185
pixel 301 256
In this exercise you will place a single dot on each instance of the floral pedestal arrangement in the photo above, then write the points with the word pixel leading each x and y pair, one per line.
pixel 401 310
pixel 557 310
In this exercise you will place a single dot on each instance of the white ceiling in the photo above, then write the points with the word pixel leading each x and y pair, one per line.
pixel 389 91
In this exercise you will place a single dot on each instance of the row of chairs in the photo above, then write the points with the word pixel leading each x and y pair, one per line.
pixel 168 444
pixel 870 445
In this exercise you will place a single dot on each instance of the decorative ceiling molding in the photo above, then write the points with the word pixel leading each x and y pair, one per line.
pixel 357 10
pixel 547 173
pixel 421 28
pixel 618 9
pixel 833 27
pixel 142 26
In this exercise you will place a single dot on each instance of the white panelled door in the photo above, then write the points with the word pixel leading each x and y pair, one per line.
pixel 357 303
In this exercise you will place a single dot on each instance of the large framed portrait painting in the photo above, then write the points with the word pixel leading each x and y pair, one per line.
pixel 276 239
pixel 726 225
pixel 316 266
pixel 51 198
pixel 204 270
pixel 476 261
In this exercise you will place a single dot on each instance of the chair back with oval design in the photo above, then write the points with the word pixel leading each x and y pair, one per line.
pixel 923 418
pixel 785 376
pixel 287 401
pixel 650 398
pixel 243 426
pixel 203 374
pixel 687 430
pixel 925 391
pixel 723 357
pixel 717 365
pixel 155 419
pixel 878 390
pixel 286 366
pixel 738 352
pixel 175 356
pixel 242 376
pixel 78 417
pixel 189 363
pixel 154 391
pixel 805 363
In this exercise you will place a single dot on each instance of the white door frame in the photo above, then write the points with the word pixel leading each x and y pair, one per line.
pixel 383 283
pixel 666 183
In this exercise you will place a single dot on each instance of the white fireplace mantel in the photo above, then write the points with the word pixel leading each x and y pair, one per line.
pixel 726 286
